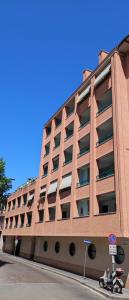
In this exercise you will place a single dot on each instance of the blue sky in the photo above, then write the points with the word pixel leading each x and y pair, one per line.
pixel 44 47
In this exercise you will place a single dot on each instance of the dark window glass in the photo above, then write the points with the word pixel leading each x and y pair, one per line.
pixel 92 251
pixel 72 249
pixel 119 258
pixel 45 246
pixel 57 247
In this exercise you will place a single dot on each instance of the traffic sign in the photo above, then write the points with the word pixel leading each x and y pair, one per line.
pixel 87 242
pixel 112 239
pixel 112 249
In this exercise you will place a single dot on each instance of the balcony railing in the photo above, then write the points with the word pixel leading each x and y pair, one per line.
pixel 83 151
pixel 83 124
pixel 105 174
pixel 67 162
pixel 101 110
pixel 104 139
pixel 83 183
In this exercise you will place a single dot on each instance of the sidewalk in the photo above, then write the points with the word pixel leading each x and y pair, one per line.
pixel 90 283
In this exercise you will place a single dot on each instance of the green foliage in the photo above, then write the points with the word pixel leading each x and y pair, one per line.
pixel 5 184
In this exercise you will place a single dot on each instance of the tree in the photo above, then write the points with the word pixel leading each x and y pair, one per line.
pixel 5 185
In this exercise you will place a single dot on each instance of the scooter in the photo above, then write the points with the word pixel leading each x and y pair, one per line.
pixel 112 280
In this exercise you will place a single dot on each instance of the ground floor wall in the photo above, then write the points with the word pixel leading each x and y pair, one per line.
pixel 68 253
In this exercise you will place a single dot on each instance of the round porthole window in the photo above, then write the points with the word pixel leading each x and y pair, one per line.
pixel 72 249
pixel 45 246
pixel 57 247
pixel 92 251
pixel 119 258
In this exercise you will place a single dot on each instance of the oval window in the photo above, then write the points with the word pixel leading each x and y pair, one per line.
pixel 120 257
pixel 92 251
pixel 72 249
pixel 57 247
pixel 45 246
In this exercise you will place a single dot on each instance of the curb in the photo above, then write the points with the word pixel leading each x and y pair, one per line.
pixel 40 266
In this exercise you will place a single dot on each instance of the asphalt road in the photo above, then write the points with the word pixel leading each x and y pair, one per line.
pixel 21 281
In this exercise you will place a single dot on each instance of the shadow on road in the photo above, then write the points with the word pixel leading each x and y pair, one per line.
pixel 2 263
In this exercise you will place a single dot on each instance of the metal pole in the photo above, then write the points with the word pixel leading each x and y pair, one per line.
pixel 113 263
pixel 84 274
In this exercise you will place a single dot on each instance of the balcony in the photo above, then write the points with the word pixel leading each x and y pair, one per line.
pixel 57 141
pixel 84 118
pixel 83 176
pixel 68 154
pixel 83 207
pixel 58 120
pixel 47 149
pixel 70 108
pixel 65 211
pixel 107 203
pixel 55 163
pixel 104 102
pixel 69 131
pixel 105 166
pixel 105 132
pixel 84 145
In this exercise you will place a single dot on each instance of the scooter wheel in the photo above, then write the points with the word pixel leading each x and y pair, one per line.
pixel 101 283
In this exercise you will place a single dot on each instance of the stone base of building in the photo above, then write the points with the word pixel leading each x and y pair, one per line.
pixel 58 252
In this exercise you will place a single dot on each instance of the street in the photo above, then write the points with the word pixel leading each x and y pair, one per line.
pixel 19 281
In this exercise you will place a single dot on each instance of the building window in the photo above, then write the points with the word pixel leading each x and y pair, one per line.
pixel 83 207
pixel 16 222
pixel 68 154
pixel 65 210
pixel 41 215
pixel 45 246
pixel 84 176
pixel 55 163
pixel 57 247
pixel 105 132
pixel 22 217
pixel 69 130
pixel 19 201
pixel 57 140
pixel 58 119
pixel 48 130
pixel 45 170
pixel 24 199
pixel 52 213
pixel 47 149
pixel 84 117
pixel 107 203
pixel 120 257
pixel 72 249
pixel 14 202
pixel 92 251
pixel 105 166
pixel 84 145
pixel 29 219
pixel 104 101
pixel 70 107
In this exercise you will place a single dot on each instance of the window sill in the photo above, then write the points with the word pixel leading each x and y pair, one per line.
pixel 103 142
pixel 104 177
pixel 104 214
pixel 63 219
pixel 81 185
pixel 47 221
pixel 81 217
pixel 39 222
pixel 101 111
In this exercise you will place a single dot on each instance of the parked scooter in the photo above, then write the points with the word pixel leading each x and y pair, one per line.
pixel 112 280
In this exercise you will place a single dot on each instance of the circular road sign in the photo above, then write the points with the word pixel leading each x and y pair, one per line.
pixel 112 239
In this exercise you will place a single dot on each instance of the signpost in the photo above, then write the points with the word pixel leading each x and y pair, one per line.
pixel 86 243
pixel 112 248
